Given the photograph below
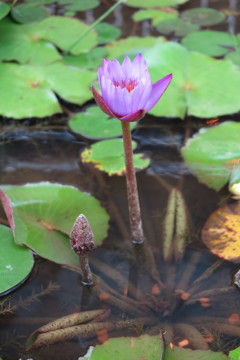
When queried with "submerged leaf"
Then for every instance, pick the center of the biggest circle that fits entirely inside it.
(68, 326)
(213, 154)
(175, 227)
(44, 214)
(221, 232)
(16, 261)
(108, 156)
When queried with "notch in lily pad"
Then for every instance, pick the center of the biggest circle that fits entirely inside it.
(108, 156)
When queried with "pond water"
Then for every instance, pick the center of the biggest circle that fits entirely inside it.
(46, 150)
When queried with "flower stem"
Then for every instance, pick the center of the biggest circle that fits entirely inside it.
(87, 278)
(132, 191)
(92, 26)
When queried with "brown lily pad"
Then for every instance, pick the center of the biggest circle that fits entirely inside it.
(221, 232)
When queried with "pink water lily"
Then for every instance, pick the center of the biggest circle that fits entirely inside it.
(127, 90)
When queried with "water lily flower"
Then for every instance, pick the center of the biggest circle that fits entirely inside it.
(127, 90)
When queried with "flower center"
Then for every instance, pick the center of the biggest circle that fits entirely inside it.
(130, 85)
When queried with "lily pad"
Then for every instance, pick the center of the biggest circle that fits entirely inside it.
(213, 43)
(108, 156)
(4, 9)
(131, 46)
(234, 57)
(154, 3)
(179, 27)
(17, 43)
(201, 85)
(235, 354)
(203, 16)
(91, 60)
(64, 32)
(125, 348)
(221, 232)
(16, 261)
(213, 153)
(156, 15)
(28, 13)
(178, 353)
(44, 214)
(80, 5)
(107, 32)
(33, 88)
(95, 124)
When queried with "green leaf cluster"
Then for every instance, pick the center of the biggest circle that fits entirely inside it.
(44, 214)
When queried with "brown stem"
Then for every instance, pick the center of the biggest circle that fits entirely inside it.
(87, 278)
(133, 199)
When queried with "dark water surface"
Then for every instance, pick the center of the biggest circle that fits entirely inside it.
(34, 151)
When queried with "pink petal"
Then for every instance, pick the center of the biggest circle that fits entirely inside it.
(101, 103)
(139, 66)
(137, 115)
(157, 91)
(127, 68)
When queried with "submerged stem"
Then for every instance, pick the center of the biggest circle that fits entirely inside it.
(133, 199)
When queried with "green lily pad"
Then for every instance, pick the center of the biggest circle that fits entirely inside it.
(44, 214)
(95, 124)
(4, 9)
(235, 354)
(64, 32)
(125, 348)
(16, 261)
(17, 43)
(234, 57)
(131, 46)
(156, 15)
(28, 13)
(91, 60)
(213, 43)
(108, 156)
(80, 5)
(107, 32)
(154, 3)
(203, 16)
(33, 88)
(213, 153)
(201, 86)
(178, 353)
(179, 27)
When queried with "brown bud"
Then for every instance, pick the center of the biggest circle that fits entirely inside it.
(81, 236)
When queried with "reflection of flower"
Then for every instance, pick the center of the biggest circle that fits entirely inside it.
(127, 89)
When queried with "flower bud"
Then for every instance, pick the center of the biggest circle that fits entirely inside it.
(81, 236)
